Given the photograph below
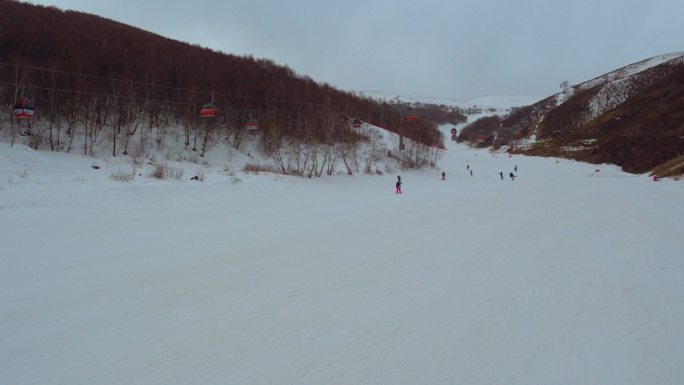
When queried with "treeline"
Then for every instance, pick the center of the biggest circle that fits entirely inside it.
(91, 77)
(494, 131)
(481, 132)
(439, 113)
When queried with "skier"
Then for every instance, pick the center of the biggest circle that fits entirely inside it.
(443, 175)
(515, 168)
(467, 167)
(501, 175)
(471, 172)
(398, 185)
(512, 176)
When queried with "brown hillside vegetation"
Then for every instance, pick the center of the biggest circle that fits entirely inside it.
(87, 71)
(644, 131)
(567, 117)
(639, 134)
(672, 168)
(480, 132)
(525, 120)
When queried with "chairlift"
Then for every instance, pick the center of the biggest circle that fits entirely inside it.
(454, 131)
(24, 108)
(482, 138)
(357, 123)
(251, 125)
(208, 110)
(454, 137)
(410, 118)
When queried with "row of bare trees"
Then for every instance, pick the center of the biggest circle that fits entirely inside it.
(70, 105)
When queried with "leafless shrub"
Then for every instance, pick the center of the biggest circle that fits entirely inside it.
(228, 171)
(163, 171)
(137, 154)
(256, 168)
(122, 176)
(160, 171)
(175, 173)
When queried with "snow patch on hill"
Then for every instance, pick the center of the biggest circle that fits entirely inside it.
(610, 96)
(499, 103)
(675, 58)
(496, 102)
(621, 84)
(616, 86)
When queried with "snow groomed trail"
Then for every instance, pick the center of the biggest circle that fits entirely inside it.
(563, 276)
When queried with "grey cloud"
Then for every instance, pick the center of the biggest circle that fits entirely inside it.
(447, 49)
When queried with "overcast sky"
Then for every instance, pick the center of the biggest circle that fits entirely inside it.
(444, 49)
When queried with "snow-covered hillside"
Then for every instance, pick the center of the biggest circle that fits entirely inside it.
(498, 103)
(617, 86)
(634, 68)
(566, 275)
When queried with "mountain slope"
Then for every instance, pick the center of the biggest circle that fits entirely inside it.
(88, 75)
(631, 117)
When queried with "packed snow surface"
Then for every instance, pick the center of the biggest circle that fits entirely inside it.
(565, 275)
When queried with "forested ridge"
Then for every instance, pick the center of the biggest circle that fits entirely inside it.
(631, 119)
(88, 75)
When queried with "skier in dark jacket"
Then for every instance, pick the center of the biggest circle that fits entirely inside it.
(511, 175)
(501, 175)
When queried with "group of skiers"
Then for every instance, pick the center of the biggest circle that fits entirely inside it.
(501, 175)
(510, 174)
(470, 171)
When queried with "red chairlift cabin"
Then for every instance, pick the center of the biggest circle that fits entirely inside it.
(482, 138)
(357, 123)
(24, 108)
(454, 137)
(252, 125)
(410, 118)
(454, 131)
(209, 110)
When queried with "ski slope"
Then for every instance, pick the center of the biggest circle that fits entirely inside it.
(564, 276)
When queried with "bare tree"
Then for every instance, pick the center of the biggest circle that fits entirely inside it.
(19, 79)
(135, 114)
